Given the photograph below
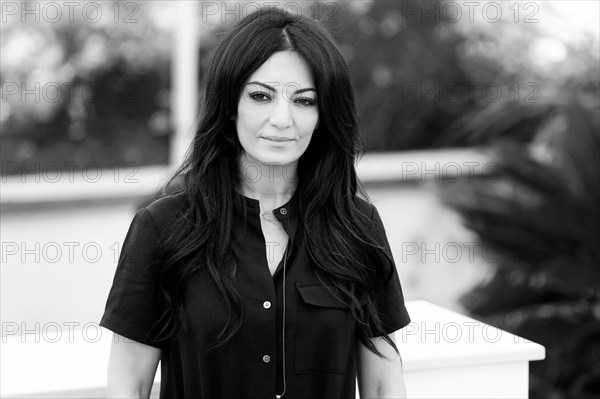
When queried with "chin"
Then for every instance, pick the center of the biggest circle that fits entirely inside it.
(275, 160)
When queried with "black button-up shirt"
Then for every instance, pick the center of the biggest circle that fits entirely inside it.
(320, 332)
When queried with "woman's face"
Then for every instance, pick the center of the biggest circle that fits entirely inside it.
(277, 111)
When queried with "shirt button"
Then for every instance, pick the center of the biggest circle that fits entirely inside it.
(266, 358)
(283, 211)
(266, 304)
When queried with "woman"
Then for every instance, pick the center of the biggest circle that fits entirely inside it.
(259, 272)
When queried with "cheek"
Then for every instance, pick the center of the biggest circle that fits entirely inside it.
(308, 123)
(247, 121)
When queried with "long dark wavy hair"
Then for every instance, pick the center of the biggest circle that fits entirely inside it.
(339, 236)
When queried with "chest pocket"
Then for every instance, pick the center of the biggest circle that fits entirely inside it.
(325, 331)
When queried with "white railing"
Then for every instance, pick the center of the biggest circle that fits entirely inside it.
(445, 355)
(449, 355)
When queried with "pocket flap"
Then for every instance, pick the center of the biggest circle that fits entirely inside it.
(319, 295)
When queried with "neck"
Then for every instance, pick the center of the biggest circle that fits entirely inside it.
(272, 185)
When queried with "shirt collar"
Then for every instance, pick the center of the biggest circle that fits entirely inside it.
(287, 213)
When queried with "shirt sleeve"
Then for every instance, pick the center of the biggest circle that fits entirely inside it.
(132, 306)
(390, 299)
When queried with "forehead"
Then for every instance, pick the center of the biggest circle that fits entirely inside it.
(284, 67)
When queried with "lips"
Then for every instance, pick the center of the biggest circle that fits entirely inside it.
(277, 139)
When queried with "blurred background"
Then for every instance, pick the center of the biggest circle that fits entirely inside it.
(481, 122)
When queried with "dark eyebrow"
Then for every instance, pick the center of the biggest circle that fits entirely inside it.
(273, 89)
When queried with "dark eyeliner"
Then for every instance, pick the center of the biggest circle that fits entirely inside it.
(309, 101)
(253, 94)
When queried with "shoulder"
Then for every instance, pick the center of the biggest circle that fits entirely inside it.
(370, 212)
(149, 225)
(167, 204)
(375, 224)
(365, 207)
(378, 232)
(166, 208)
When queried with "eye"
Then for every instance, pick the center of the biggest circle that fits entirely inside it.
(305, 101)
(259, 96)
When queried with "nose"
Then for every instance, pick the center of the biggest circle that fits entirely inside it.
(281, 114)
